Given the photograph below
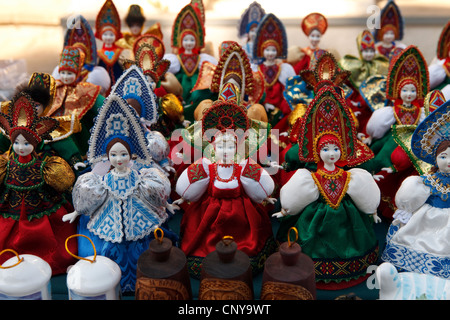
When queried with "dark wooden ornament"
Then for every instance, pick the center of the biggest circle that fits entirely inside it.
(162, 272)
(226, 273)
(289, 274)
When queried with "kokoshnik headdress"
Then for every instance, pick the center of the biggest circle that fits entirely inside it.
(80, 35)
(108, 19)
(364, 41)
(270, 32)
(390, 19)
(328, 115)
(116, 119)
(433, 130)
(22, 115)
(250, 18)
(188, 21)
(314, 21)
(444, 42)
(132, 84)
(408, 67)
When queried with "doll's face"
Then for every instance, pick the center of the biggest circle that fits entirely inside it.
(252, 34)
(408, 93)
(119, 157)
(368, 54)
(39, 109)
(389, 36)
(270, 53)
(188, 42)
(330, 154)
(314, 38)
(22, 147)
(67, 77)
(443, 161)
(108, 37)
(225, 148)
(135, 29)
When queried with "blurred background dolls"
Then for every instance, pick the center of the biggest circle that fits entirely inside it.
(271, 46)
(121, 209)
(188, 39)
(390, 32)
(32, 193)
(226, 189)
(439, 68)
(332, 208)
(407, 85)
(417, 239)
(108, 30)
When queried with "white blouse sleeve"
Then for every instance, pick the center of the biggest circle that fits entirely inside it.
(174, 63)
(287, 71)
(412, 194)
(257, 183)
(157, 145)
(437, 73)
(363, 190)
(194, 181)
(206, 57)
(298, 192)
(380, 122)
(88, 193)
(154, 187)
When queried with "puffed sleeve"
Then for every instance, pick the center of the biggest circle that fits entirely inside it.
(287, 71)
(154, 187)
(298, 192)
(174, 63)
(257, 183)
(88, 193)
(157, 146)
(380, 122)
(206, 57)
(58, 174)
(437, 73)
(363, 190)
(412, 194)
(193, 182)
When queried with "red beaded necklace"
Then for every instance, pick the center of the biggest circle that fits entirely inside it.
(233, 174)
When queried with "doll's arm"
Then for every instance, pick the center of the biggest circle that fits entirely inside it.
(88, 193)
(154, 187)
(174, 63)
(363, 190)
(257, 183)
(287, 71)
(58, 174)
(380, 122)
(297, 193)
(193, 182)
(411, 195)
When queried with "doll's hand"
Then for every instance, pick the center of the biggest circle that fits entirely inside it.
(269, 107)
(402, 216)
(387, 169)
(70, 217)
(284, 134)
(274, 164)
(79, 165)
(172, 207)
(357, 113)
(186, 123)
(376, 218)
(280, 214)
(377, 177)
(178, 202)
(169, 169)
(367, 140)
(356, 104)
(270, 200)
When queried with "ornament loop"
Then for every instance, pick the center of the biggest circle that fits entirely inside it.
(159, 238)
(78, 257)
(289, 238)
(19, 259)
(227, 240)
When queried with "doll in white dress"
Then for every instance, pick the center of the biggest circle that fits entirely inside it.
(121, 209)
(418, 238)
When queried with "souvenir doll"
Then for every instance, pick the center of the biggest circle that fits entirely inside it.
(439, 68)
(134, 88)
(81, 35)
(33, 188)
(135, 20)
(406, 86)
(333, 209)
(119, 210)
(389, 34)
(107, 27)
(368, 64)
(271, 46)
(188, 38)
(41, 88)
(417, 238)
(314, 26)
(247, 27)
(225, 188)
(73, 97)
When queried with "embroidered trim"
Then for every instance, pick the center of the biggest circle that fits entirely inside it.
(436, 184)
(413, 111)
(252, 171)
(334, 177)
(196, 172)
